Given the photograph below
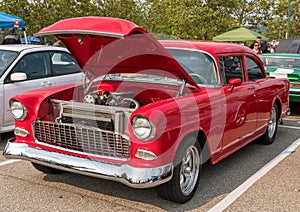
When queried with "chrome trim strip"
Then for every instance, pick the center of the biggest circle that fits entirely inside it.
(131, 176)
(294, 91)
(61, 32)
(119, 122)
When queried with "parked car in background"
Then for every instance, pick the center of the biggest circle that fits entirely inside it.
(284, 65)
(159, 111)
(290, 45)
(29, 67)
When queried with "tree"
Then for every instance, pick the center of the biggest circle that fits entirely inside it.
(278, 22)
(184, 19)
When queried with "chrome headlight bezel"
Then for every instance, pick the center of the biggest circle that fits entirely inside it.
(18, 110)
(143, 128)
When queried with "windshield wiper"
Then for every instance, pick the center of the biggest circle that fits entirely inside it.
(181, 90)
(87, 83)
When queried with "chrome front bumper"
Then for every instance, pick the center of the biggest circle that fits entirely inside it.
(131, 176)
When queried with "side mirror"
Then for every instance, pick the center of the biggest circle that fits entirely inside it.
(15, 77)
(234, 82)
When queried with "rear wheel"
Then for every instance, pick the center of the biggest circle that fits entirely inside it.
(269, 136)
(184, 183)
(46, 169)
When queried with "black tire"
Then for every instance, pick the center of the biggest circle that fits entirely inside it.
(46, 169)
(187, 169)
(269, 136)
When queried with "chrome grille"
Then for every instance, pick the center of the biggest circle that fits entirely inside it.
(82, 139)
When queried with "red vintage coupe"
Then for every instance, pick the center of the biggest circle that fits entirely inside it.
(149, 113)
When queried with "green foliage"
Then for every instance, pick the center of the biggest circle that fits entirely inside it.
(277, 27)
(183, 19)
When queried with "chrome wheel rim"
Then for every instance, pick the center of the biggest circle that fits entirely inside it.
(189, 171)
(272, 123)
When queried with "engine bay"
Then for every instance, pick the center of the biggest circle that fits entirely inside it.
(107, 105)
(106, 98)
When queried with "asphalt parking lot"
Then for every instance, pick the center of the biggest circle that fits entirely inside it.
(234, 180)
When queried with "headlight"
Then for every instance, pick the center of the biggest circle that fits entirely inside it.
(18, 110)
(143, 128)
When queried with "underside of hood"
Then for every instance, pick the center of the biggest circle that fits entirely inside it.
(104, 45)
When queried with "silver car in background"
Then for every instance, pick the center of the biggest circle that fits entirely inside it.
(30, 67)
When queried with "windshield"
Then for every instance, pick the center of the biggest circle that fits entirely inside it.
(199, 65)
(6, 58)
(282, 62)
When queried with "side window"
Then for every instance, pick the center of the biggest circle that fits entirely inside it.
(63, 63)
(253, 69)
(231, 67)
(34, 65)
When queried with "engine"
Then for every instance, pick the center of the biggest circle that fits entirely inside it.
(117, 99)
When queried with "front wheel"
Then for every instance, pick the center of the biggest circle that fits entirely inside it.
(184, 182)
(269, 136)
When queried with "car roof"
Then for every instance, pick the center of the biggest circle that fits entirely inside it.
(22, 47)
(290, 45)
(213, 47)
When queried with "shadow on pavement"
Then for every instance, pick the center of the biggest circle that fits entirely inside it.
(295, 108)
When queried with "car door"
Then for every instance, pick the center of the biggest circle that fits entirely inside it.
(36, 66)
(240, 103)
(262, 85)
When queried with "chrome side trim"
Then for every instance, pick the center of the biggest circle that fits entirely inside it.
(131, 176)
(294, 91)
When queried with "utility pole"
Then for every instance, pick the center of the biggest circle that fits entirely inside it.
(289, 19)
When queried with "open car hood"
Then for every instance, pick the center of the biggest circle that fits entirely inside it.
(104, 45)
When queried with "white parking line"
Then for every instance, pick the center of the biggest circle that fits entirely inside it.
(8, 162)
(230, 198)
(290, 127)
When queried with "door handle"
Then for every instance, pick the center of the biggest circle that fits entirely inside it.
(251, 88)
(46, 84)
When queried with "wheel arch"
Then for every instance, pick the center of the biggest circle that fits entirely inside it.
(279, 106)
(202, 140)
